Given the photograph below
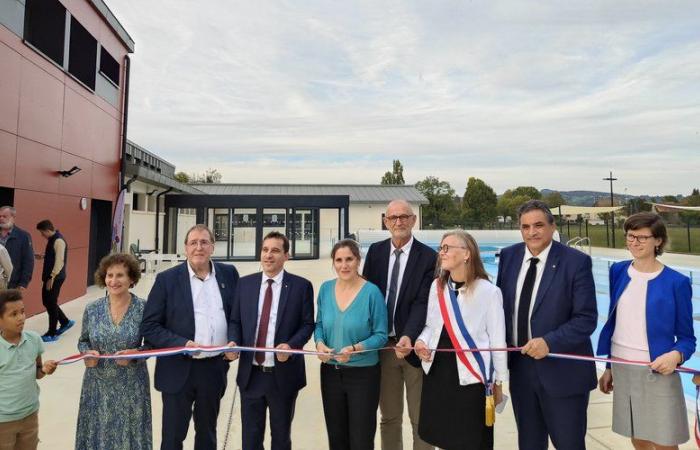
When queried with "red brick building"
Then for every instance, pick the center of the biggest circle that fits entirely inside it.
(63, 85)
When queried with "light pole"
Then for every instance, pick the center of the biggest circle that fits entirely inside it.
(612, 201)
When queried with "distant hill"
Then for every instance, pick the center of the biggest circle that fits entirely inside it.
(588, 198)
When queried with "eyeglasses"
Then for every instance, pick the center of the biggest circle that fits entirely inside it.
(637, 237)
(200, 243)
(446, 248)
(402, 218)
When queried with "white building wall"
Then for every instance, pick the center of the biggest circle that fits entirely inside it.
(368, 216)
(140, 217)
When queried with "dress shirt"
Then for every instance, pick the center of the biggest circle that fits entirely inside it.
(210, 326)
(521, 280)
(406, 249)
(276, 291)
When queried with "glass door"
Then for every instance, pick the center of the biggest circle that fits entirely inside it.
(305, 235)
(244, 229)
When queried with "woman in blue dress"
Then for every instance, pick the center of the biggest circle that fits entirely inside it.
(115, 402)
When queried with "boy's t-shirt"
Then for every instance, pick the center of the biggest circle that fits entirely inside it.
(19, 391)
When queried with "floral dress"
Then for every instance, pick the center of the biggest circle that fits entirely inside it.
(115, 402)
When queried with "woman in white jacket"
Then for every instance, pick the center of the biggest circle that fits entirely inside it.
(465, 310)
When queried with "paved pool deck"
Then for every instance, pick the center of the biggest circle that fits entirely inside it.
(60, 393)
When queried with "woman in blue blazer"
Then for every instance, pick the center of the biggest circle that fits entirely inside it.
(650, 320)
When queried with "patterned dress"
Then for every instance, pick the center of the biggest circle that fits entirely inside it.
(115, 402)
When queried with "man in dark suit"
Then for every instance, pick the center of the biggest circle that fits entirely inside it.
(19, 245)
(272, 308)
(403, 269)
(550, 306)
(190, 305)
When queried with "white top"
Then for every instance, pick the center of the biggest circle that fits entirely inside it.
(272, 324)
(210, 326)
(482, 310)
(406, 249)
(629, 340)
(521, 280)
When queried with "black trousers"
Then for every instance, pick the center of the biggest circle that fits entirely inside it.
(350, 400)
(260, 395)
(204, 388)
(540, 416)
(50, 300)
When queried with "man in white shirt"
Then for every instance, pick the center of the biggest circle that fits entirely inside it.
(550, 306)
(190, 305)
(271, 309)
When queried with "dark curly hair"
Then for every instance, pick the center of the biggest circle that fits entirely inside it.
(128, 261)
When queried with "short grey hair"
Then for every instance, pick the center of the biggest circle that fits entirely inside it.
(12, 209)
(200, 227)
(536, 205)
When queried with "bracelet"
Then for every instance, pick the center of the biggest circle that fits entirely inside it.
(353, 347)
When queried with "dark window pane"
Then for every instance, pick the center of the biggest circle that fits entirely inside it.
(109, 66)
(82, 57)
(44, 27)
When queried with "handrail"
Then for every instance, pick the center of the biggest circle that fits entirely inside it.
(578, 242)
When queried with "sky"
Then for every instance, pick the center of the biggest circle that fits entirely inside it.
(550, 94)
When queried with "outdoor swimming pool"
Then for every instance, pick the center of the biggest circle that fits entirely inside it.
(600, 275)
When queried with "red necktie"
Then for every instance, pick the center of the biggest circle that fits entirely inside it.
(264, 321)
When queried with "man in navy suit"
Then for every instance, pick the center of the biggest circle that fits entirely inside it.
(190, 305)
(550, 306)
(272, 308)
(403, 268)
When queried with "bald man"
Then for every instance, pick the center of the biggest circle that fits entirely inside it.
(403, 269)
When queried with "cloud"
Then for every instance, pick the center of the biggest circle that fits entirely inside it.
(548, 94)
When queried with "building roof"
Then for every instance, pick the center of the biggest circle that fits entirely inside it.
(113, 22)
(359, 193)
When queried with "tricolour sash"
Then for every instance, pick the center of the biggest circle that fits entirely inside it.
(484, 377)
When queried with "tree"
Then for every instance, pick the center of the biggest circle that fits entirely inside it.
(441, 210)
(395, 176)
(635, 205)
(479, 202)
(527, 191)
(553, 199)
(182, 177)
(508, 205)
(210, 176)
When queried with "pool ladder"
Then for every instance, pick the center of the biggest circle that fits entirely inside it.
(580, 243)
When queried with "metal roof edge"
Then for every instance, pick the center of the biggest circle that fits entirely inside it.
(112, 20)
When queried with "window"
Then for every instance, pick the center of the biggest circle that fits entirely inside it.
(109, 67)
(82, 58)
(45, 27)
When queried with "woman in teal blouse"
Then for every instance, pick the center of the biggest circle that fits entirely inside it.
(351, 317)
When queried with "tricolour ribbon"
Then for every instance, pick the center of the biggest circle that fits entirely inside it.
(171, 351)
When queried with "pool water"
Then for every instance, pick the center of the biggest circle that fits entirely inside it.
(600, 276)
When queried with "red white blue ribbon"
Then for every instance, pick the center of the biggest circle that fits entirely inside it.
(162, 352)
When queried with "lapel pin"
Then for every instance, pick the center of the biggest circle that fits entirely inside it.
(223, 286)
(554, 266)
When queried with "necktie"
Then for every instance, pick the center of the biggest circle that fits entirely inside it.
(264, 322)
(393, 289)
(525, 300)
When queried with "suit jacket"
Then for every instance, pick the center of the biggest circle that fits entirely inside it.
(565, 314)
(412, 301)
(168, 319)
(19, 246)
(295, 324)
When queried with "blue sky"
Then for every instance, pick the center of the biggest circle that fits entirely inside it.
(548, 93)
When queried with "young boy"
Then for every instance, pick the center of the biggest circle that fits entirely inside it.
(20, 367)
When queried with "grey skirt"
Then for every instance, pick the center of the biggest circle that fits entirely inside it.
(649, 406)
